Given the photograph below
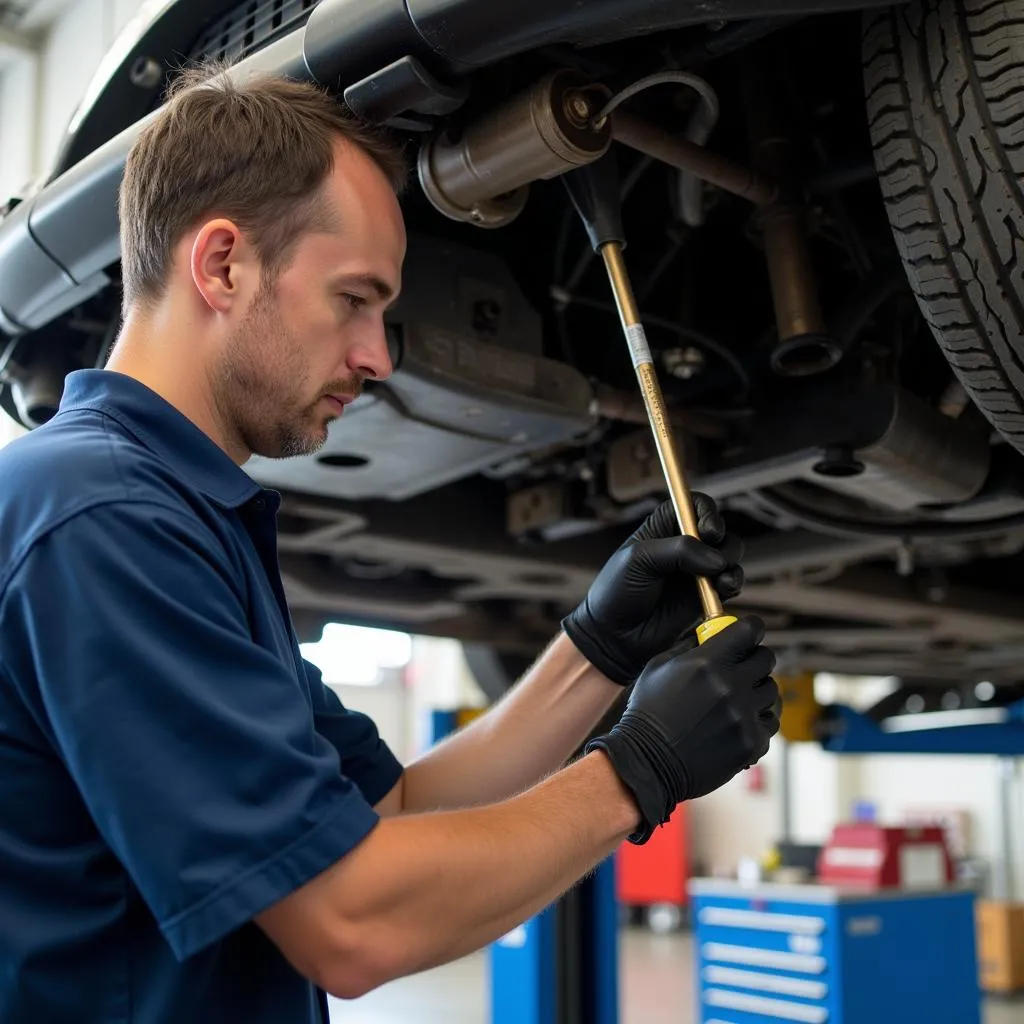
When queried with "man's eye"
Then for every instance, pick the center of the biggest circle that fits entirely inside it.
(355, 301)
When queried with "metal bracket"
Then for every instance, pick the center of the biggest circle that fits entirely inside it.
(404, 95)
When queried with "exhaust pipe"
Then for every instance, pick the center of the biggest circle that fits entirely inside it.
(482, 175)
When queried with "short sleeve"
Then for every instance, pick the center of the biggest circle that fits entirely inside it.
(365, 758)
(193, 747)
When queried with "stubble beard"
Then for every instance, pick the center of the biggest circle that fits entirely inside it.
(259, 387)
(261, 384)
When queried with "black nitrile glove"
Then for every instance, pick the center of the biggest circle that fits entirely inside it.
(645, 597)
(696, 717)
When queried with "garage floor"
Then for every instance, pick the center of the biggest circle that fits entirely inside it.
(656, 989)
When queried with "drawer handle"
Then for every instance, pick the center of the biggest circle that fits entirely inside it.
(799, 963)
(777, 984)
(761, 920)
(780, 1009)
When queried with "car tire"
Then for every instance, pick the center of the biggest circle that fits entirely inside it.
(945, 102)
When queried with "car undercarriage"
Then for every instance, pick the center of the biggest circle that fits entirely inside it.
(476, 492)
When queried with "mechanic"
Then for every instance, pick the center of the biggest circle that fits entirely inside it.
(192, 827)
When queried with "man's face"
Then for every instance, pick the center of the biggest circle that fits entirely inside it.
(309, 340)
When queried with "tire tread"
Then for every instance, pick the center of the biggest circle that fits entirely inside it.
(945, 100)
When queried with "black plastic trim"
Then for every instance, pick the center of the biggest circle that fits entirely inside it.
(395, 95)
(347, 40)
(480, 32)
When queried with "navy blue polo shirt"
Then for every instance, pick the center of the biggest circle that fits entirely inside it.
(169, 764)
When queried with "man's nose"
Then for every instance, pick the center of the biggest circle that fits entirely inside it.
(370, 356)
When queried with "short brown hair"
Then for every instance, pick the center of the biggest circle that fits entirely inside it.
(256, 151)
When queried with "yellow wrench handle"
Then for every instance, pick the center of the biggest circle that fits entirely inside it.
(711, 627)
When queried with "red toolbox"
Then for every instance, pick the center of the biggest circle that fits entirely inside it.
(876, 856)
(658, 871)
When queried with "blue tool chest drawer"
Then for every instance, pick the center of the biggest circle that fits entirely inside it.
(825, 955)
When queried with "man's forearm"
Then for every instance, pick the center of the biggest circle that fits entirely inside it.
(530, 733)
(422, 890)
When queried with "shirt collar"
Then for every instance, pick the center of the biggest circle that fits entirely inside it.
(166, 432)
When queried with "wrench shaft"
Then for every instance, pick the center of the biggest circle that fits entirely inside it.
(654, 402)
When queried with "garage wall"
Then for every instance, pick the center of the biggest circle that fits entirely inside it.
(737, 821)
(36, 103)
(76, 43)
(75, 46)
(972, 783)
(388, 704)
(436, 677)
(734, 823)
(17, 119)
(825, 788)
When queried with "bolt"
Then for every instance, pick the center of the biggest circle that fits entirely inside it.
(684, 363)
(145, 73)
(577, 107)
(486, 316)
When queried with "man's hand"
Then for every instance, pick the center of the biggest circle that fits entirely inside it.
(645, 598)
(695, 718)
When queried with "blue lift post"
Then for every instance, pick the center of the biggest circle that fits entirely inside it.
(561, 966)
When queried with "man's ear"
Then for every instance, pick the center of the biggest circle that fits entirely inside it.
(221, 261)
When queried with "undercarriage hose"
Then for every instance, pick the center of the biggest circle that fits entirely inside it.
(702, 123)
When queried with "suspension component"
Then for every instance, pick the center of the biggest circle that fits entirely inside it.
(685, 155)
(804, 346)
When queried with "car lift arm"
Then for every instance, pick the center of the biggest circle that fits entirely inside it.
(988, 731)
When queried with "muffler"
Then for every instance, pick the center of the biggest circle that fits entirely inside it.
(482, 176)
